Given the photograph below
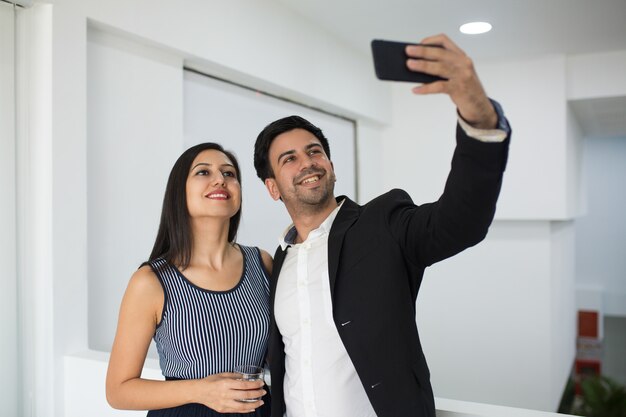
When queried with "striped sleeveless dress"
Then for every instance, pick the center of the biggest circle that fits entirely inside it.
(205, 332)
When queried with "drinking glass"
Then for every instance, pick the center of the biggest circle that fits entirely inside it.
(249, 373)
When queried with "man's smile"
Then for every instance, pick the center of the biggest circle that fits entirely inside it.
(311, 180)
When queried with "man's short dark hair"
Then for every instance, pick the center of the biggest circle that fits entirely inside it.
(269, 133)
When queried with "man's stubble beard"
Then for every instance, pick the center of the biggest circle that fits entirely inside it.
(314, 201)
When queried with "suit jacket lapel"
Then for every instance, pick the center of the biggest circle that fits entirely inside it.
(347, 215)
(279, 257)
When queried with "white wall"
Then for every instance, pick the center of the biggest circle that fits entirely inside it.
(369, 160)
(562, 308)
(494, 324)
(533, 93)
(596, 75)
(600, 260)
(134, 135)
(534, 98)
(484, 318)
(8, 237)
(600, 231)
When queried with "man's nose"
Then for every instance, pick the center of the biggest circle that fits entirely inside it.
(307, 162)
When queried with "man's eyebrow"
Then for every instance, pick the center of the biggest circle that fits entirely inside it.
(289, 152)
(313, 145)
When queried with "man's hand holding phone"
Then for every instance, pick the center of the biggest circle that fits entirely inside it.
(444, 68)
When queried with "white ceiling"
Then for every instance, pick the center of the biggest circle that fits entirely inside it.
(521, 29)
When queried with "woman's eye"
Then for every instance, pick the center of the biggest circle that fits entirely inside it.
(202, 172)
(229, 174)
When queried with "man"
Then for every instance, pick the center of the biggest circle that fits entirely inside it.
(344, 341)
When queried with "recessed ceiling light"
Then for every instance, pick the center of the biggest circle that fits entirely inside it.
(474, 28)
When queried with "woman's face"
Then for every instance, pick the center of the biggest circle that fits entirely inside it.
(213, 189)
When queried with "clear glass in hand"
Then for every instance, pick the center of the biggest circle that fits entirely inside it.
(250, 373)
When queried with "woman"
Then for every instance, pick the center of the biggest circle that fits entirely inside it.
(202, 297)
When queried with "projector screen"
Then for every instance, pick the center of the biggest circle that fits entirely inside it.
(217, 111)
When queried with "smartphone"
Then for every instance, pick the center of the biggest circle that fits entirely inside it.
(390, 62)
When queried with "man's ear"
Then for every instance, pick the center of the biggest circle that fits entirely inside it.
(270, 184)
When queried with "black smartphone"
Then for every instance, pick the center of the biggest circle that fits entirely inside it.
(390, 63)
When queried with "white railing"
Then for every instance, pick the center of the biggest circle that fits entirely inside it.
(455, 408)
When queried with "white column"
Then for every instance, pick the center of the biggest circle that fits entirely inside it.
(34, 208)
(8, 282)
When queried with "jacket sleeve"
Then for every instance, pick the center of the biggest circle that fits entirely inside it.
(460, 218)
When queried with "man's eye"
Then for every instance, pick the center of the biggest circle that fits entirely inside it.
(288, 159)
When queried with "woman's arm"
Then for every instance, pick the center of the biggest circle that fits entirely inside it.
(125, 389)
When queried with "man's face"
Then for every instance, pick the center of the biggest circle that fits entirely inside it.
(303, 175)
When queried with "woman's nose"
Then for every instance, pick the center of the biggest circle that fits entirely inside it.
(218, 179)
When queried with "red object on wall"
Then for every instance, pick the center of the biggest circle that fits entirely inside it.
(586, 367)
(588, 348)
(588, 324)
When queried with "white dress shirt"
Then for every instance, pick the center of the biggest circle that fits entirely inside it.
(320, 379)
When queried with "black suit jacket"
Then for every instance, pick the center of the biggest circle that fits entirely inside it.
(377, 254)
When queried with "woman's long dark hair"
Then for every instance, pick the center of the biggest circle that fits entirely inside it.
(174, 238)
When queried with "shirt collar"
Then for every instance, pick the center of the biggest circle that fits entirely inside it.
(288, 237)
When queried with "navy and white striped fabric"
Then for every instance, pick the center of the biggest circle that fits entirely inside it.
(206, 332)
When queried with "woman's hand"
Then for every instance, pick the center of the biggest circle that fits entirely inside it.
(224, 392)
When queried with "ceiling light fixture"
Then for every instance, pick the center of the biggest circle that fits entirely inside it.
(475, 28)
